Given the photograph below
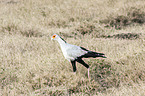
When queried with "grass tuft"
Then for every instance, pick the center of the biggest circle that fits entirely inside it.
(130, 36)
(133, 16)
(14, 29)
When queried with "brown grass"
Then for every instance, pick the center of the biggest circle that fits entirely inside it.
(31, 64)
(133, 16)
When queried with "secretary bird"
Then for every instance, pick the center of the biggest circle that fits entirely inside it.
(75, 53)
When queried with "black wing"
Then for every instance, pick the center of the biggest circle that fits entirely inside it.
(92, 54)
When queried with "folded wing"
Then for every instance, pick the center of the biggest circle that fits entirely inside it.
(80, 52)
(75, 51)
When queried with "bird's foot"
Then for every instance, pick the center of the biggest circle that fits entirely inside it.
(74, 73)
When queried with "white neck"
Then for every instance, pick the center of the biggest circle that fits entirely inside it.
(61, 42)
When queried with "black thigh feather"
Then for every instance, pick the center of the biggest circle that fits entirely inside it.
(74, 65)
(82, 62)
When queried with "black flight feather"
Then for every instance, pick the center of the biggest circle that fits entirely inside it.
(92, 54)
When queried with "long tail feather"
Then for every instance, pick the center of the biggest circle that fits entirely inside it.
(94, 55)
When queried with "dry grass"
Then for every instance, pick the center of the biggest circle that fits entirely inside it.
(31, 64)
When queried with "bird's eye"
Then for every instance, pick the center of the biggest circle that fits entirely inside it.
(53, 36)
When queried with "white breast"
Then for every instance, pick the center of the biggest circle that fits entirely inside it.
(65, 53)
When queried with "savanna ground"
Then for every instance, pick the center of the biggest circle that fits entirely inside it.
(33, 65)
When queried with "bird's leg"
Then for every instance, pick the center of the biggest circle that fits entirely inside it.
(88, 73)
(74, 66)
(83, 63)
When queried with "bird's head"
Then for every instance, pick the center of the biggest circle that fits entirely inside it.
(57, 37)
(54, 37)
